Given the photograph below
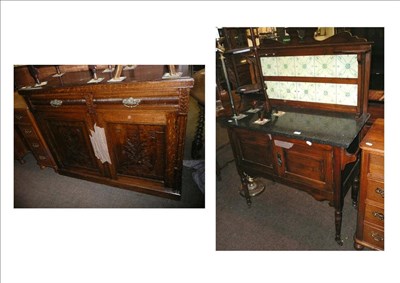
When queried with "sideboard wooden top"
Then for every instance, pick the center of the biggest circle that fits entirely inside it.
(142, 74)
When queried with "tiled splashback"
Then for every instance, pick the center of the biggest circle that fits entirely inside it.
(332, 66)
(345, 94)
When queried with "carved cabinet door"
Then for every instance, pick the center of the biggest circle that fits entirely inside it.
(68, 137)
(138, 144)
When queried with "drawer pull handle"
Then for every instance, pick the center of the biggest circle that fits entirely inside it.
(35, 145)
(378, 215)
(380, 191)
(19, 117)
(131, 102)
(41, 157)
(377, 237)
(56, 103)
(28, 132)
(279, 160)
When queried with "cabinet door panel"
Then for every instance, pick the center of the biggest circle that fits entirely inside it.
(308, 165)
(254, 149)
(137, 142)
(69, 141)
(138, 150)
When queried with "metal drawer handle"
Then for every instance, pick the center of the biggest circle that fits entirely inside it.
(131, 102)
(377, 237)
(26, 131)
(380, 191)
(41, 157)
(378, 215)
(19, 117)
(56, 103)
(35, 145)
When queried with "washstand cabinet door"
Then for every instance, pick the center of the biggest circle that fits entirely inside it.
(138, 143)
(305, 163)
(254, 150)
(67, 134)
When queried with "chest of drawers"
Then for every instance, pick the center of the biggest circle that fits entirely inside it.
(26, 132)
(370, 220)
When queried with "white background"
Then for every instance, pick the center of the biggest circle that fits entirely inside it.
(170, 245)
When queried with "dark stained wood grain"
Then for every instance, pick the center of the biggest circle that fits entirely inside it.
(144, 121)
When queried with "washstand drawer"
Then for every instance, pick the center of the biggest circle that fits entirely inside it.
(375, 190)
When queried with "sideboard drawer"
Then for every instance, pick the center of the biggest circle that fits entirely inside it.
(137, 102)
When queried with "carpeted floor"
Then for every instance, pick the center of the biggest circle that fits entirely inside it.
(281, 218)
(36, 188)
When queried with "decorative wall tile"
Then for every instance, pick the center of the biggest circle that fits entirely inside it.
(346, 94)
(286, 65)
(273, 89)
(306, 92)
(347, 66)
(324, 66)
(325, 93)
(341, 66)
(304, 66)
(289, 91)
(268, 66)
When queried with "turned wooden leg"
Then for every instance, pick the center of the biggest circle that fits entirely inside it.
(354, 191)
(338, 226)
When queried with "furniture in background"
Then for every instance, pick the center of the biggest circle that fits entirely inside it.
(125, 131)
(370, 219)
(376, 105)
(199, 94)
(27, 136)
(307, 131)
(20, 147)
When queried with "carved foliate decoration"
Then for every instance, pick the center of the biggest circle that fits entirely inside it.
(137, 154)
(70, 140)
(139, 150)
